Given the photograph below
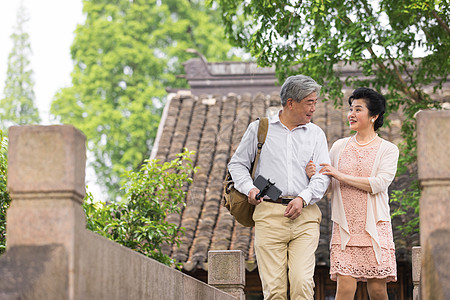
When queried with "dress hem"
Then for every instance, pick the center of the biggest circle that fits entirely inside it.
(389, 278)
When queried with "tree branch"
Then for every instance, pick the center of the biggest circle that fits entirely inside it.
(440, 21)
(404, 86)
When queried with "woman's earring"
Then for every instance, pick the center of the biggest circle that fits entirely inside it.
(372, 120)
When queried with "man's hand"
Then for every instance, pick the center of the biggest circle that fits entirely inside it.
(252, 197)
(294, 208)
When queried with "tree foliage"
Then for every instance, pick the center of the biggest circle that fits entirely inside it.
(125, 54)
(139, 222)
(5, 200)
(17, 107)
(381, 38)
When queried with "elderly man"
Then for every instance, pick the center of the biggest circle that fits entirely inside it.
(286, 229)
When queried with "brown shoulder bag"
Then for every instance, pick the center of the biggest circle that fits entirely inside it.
(236, 202)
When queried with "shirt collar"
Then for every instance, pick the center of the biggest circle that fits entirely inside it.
(276, 119)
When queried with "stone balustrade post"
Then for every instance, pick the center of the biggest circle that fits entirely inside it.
(46, 182)
(226, 271)
(433, 131)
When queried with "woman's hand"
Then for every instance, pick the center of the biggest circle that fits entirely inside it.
(329, 170)
(310, 169)
(358, 182)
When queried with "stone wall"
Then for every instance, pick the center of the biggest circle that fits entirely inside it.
(433, 131)
(50, 254)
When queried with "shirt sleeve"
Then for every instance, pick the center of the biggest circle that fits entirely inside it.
(386, 171)
(319, 183)
(241, 161)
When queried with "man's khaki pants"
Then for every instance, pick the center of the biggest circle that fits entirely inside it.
(286, 248)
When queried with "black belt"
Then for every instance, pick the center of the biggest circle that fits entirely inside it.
(281, 200)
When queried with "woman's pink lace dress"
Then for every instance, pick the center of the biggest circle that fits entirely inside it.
(358, 259)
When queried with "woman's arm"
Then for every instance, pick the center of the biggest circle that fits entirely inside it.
(358, 182)
(386, 169)
(385, 173)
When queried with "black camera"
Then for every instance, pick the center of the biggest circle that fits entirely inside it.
(266, 187)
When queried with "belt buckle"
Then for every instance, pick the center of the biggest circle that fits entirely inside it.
(285, 201)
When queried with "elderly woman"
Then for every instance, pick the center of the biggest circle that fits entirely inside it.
(362, 168)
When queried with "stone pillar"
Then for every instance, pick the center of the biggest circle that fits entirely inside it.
(226, 271)
(46, 181)
(416, 264)
(433, 144)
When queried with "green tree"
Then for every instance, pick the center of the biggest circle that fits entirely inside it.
(139, 222)
(5, 200)
(17, 107)
(125, 54)
(381, 38)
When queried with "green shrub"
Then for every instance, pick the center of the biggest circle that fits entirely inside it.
(4, 195)
(139, 221)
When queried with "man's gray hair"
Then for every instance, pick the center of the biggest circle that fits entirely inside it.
(298, 87)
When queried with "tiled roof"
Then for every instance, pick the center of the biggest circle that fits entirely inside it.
(213, 127)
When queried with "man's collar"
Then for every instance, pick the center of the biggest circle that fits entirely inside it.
(276, 119)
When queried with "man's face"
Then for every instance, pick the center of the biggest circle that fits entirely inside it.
(304, 109)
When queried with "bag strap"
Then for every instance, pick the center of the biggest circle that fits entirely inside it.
(262, 133)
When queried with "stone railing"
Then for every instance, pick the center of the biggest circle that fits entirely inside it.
(431, 262)
(416, 265)
(51, 255)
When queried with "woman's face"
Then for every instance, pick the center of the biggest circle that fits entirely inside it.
(358, 116)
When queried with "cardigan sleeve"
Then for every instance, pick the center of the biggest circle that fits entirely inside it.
(386, 170)
(337, 207)
(336, 149)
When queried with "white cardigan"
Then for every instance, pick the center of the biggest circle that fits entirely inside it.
(383, 173)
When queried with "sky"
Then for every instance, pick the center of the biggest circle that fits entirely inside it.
(51, 28)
